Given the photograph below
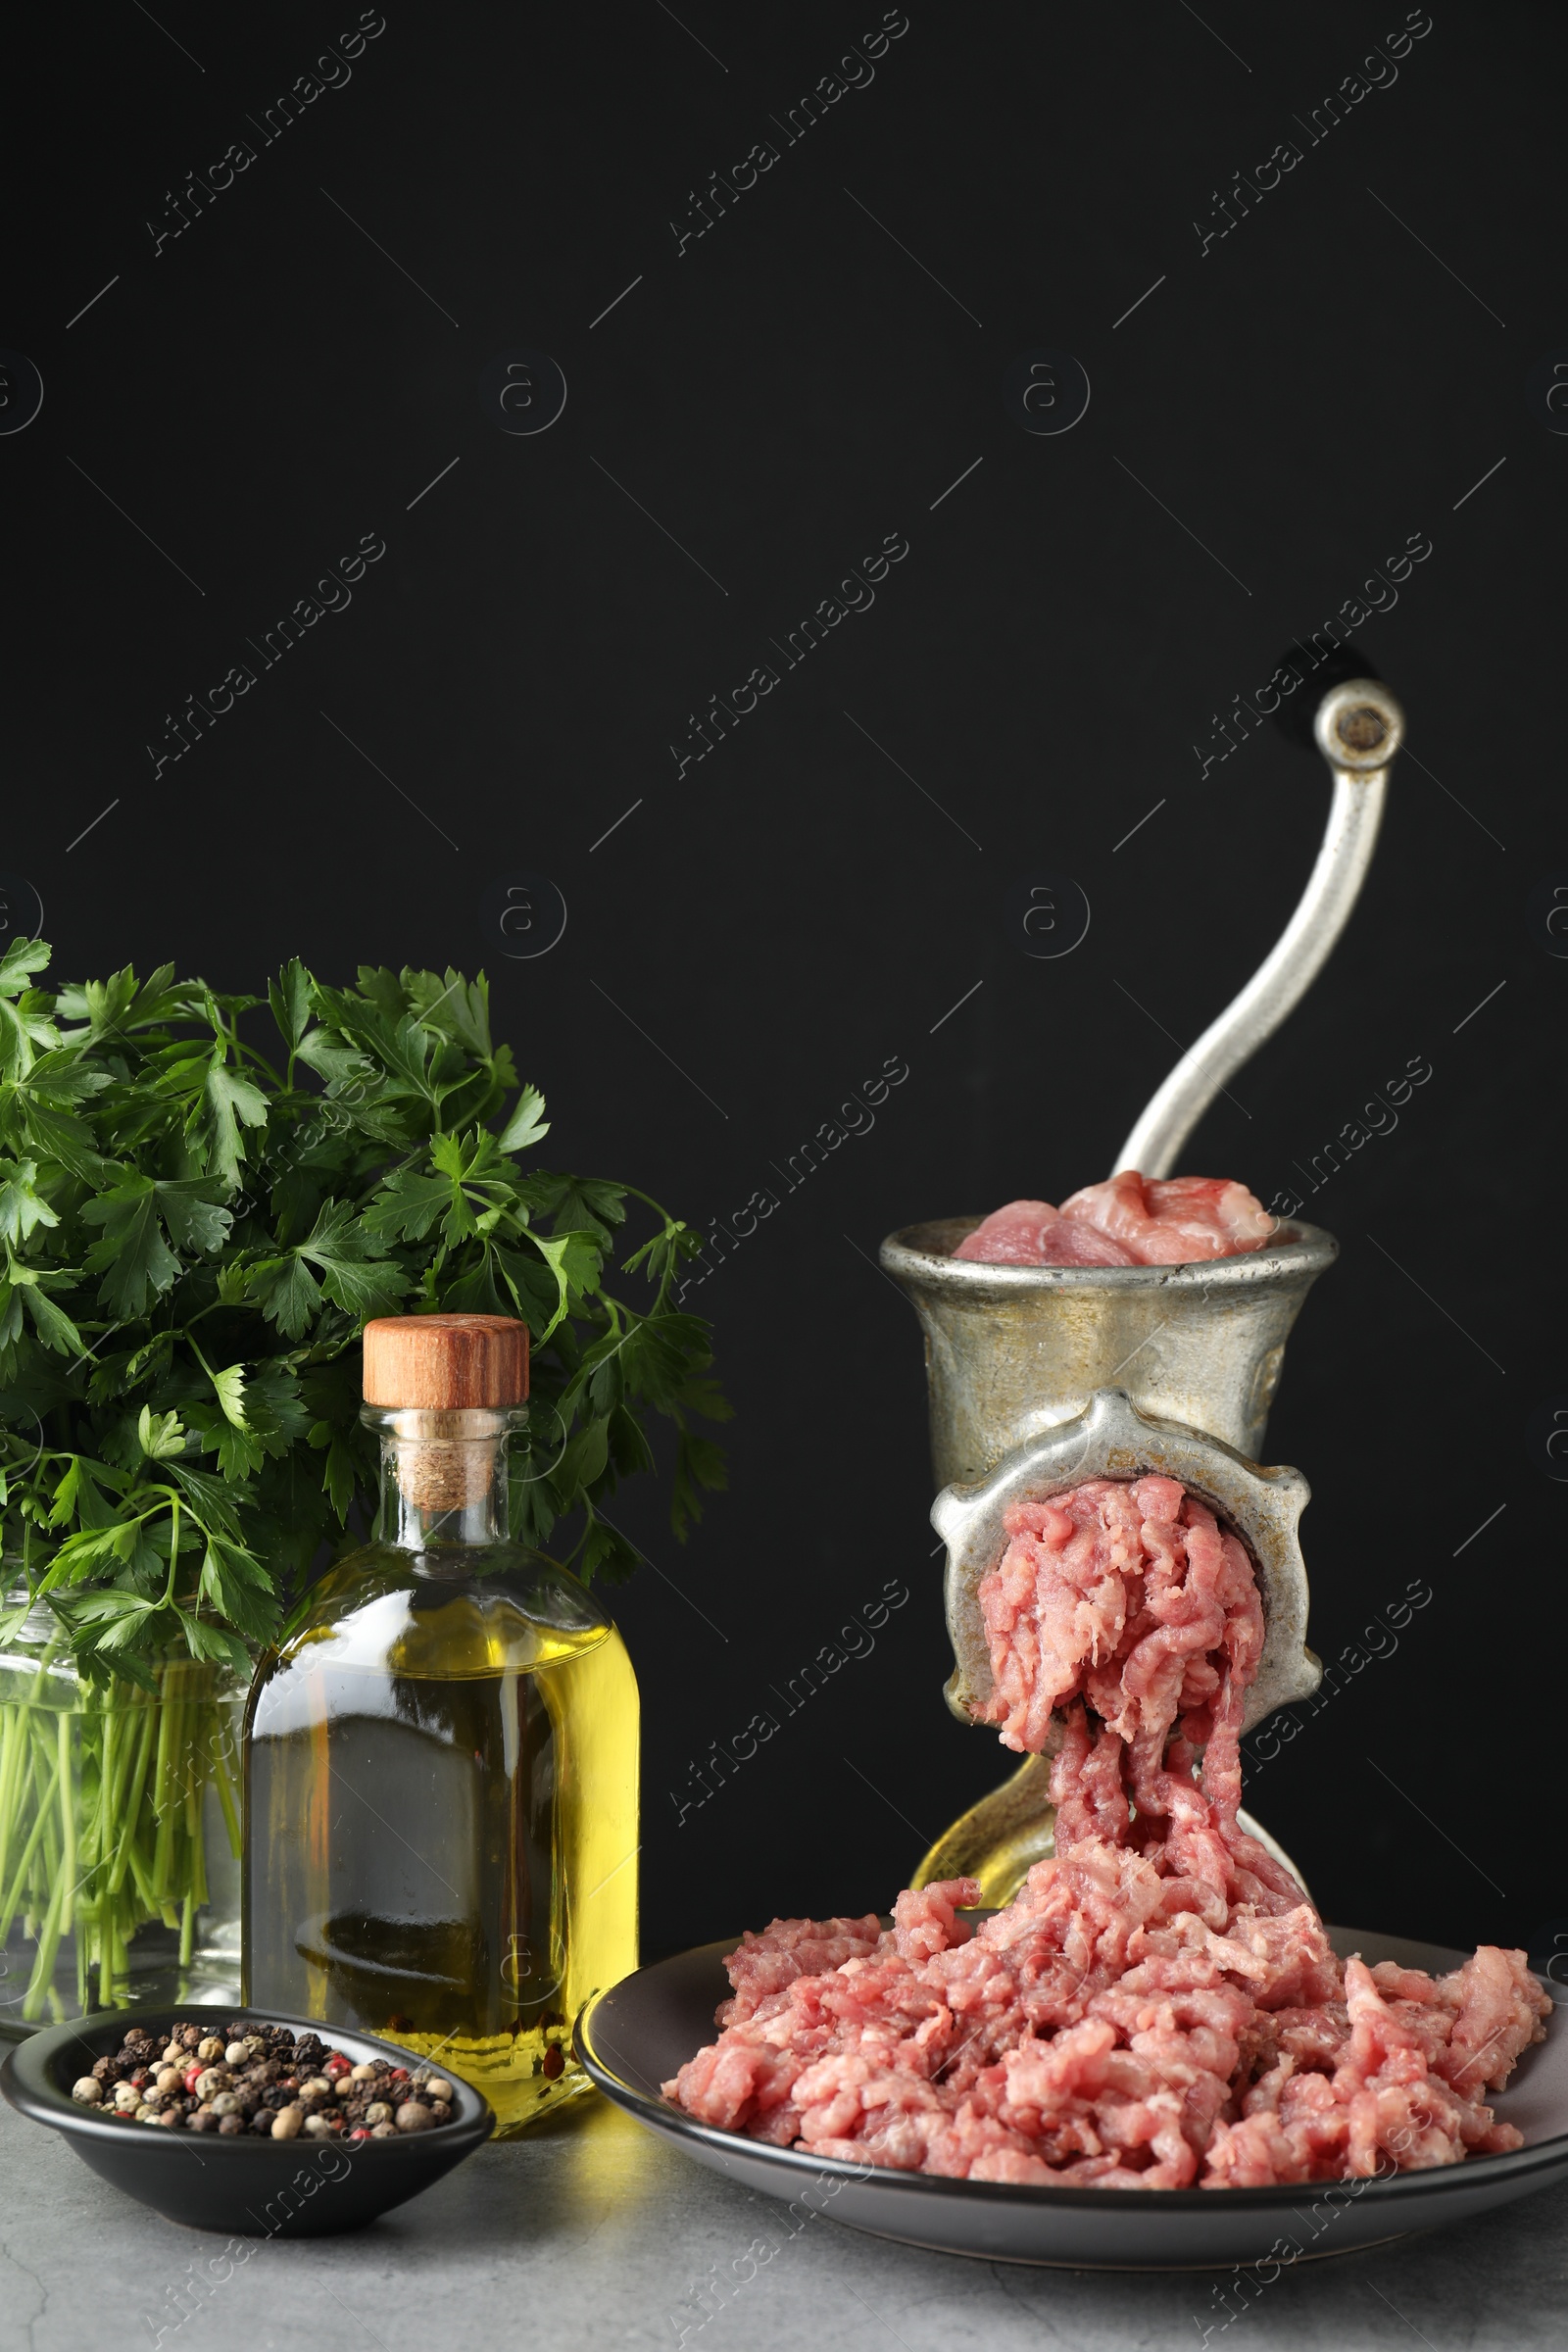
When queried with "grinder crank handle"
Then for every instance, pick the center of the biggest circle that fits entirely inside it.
(1359, 727)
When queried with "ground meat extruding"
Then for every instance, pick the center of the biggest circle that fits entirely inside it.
(1160, 2006)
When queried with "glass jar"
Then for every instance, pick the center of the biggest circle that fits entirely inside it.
(441, 1760)
(120, 1833)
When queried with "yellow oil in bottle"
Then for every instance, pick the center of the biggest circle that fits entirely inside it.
(441, 1814)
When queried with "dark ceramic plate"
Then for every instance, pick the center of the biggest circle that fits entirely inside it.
(639, 2034)
(248, 2188)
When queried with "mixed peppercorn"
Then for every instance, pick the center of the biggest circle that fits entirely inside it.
(264, 2080)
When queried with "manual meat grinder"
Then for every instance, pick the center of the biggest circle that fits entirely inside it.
(1043, 1376)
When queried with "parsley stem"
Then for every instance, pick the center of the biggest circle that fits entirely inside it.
(44, 1798)
(250, 1054)
(174, 1547)
(66, 1781)
(226, 1786)
(44, 1960)
(129, 1806)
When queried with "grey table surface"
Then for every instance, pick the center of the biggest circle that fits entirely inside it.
(593, 2233)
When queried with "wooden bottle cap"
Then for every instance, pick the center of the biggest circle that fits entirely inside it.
(446, 1363)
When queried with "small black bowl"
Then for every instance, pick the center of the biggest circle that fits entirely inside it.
(245, 2186)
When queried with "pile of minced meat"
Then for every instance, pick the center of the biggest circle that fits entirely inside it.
(1160, 2006)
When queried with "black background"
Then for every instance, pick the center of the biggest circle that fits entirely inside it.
(764, 930)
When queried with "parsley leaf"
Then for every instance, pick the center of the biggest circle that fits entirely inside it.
(23, 1207)
(527, 1122)
(21, 960)
(290, 996)
(134, 1257)
(134, 1260)
(356, 1273)
(231, 1102)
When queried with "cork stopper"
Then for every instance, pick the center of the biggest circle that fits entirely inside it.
(446, 1363)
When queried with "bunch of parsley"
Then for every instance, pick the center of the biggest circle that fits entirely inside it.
(195, 1232)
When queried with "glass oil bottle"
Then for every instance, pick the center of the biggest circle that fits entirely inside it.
(441, 1754)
